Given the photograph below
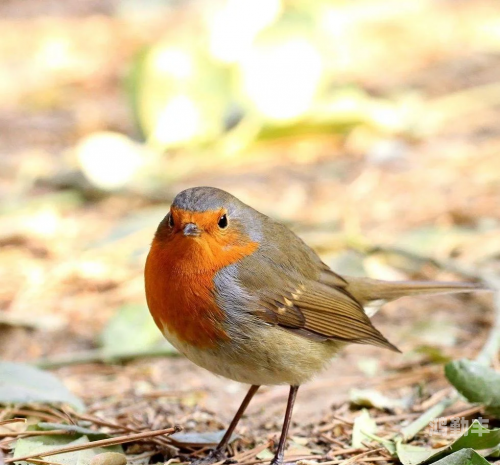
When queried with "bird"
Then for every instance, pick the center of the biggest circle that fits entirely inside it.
(242, 296)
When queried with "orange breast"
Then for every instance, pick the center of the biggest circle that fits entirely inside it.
(179, 280)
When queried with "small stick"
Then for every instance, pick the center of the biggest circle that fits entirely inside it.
(336, 441)
(34, 413)
(100, 422)
(394, 418)
(360, 457)
(363, 454)
(463, 413)
(343, 420)
(25, 434)
(337, 462)
(12, 420)
(352, 450)
(434, 399)
(250, 454)
(100, 443)
(42, 462)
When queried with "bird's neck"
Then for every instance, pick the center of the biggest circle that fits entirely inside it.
(190, 256)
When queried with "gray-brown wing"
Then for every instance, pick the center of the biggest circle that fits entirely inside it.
(320, 311)
(297, 291)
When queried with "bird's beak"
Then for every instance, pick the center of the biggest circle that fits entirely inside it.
(191, 229)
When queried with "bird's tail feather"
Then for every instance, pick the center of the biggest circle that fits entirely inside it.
(367, 290)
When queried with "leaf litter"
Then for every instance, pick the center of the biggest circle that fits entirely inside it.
(74, 257)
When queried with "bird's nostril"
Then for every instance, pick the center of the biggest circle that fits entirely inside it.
(190, 229)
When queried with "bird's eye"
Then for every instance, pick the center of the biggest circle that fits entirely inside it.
(223, 222)
(170, 220)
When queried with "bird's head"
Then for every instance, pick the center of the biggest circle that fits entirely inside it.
(208, 228)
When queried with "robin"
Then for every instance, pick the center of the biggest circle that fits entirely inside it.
(243, 297)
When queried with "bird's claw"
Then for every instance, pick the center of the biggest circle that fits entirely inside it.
(278, 459)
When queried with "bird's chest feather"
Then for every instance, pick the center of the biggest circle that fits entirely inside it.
(183, 305)
(180, 295)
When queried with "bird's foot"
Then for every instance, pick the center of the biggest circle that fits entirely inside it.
(215, 455)
(277, 459)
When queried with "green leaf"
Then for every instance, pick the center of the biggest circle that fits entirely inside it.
(463, 457)
(434, 354)
(409, 431)
(364, 425)
(39, 444)
(22, 383)
(389, 444)
(374, 398)
(179, 94)
(476, 437)
(266, 454)
(132, 329)
(412, 455)
(476, 382)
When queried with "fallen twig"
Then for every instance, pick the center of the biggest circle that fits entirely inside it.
(250, 454)
(12, 420)
(100, 443)
(463, 413)
(362, 454)
(336, 462)
(25, 434)
(42, 462)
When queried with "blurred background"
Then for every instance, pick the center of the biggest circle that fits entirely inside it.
(370, 127)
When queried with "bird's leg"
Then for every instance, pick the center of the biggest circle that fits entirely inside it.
(280, 453)
(218, 454)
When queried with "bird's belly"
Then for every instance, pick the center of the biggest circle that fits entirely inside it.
(269, 355)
